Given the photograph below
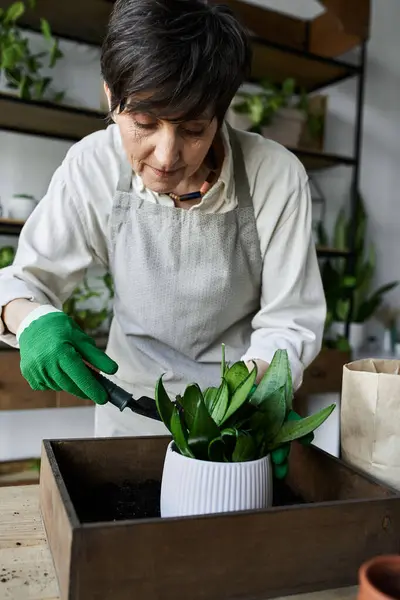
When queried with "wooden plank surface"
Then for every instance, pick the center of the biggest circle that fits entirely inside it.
(26, 567)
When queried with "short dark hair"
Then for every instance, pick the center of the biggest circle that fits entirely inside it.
(189, 55)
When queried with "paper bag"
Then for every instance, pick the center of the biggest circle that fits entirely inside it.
(370, 418)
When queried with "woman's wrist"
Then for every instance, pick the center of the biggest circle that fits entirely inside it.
(16, 311)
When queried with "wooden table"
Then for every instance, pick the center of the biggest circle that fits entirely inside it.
(26, 567)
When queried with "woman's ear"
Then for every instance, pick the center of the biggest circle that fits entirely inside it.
(108, 94)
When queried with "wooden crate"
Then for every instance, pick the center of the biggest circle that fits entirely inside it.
(345, 519)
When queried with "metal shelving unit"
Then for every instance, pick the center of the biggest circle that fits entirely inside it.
(85, 22)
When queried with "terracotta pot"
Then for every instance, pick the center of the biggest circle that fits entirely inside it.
(379, 579)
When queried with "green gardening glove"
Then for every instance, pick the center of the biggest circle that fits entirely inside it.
(280, 456)
(52, 351)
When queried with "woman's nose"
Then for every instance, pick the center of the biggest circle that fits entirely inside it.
(167, 149)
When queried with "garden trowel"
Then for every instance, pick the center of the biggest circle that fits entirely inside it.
(122, 399)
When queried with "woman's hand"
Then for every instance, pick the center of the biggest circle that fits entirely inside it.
(262, 367)
(53, 350)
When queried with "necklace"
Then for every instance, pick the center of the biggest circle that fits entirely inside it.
(193, 195)
(206, 185)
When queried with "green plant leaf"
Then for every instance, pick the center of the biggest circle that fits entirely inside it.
(220, 405)
(271, 415)
(164, 405)
(241, 394)
(179, 434)
(245, 448)
(189, 403)
(235, 376)
(210, 395)
(278, 375)
(14, 12)
(229, 436)
(340, 235)
(58, 97)
(293, 430)
(203, 431)
(55, 55)
(216, 450)
(46, 29)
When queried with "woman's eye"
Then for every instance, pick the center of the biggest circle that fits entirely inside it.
(197, 133)
(144, 125)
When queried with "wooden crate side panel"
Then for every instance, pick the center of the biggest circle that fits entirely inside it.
(57, 525)
(112, 459)
(319, 477)
(248, 556)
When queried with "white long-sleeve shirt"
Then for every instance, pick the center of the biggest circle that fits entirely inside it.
(67, 234)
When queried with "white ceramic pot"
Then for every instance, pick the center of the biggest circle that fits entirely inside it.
(286, 127)
(20, 208)
(195, 487)
(356, 333)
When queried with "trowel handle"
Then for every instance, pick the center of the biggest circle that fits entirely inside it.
(116, 395)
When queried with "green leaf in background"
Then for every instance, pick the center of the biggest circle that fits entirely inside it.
(7, 254)
(55, 55)
(179, 434)
(14, 12)
(164, 405)
(235, 375)
(203, 431)
(46, 29)
(293, 430)
(189, 403)
(220, 405)
(241, 394)
(245, 448)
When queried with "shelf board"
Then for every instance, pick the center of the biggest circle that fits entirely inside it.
(48, 119)
(324, 252)
(10, 226)
(311, 71)
(316, 161)
(86, 22)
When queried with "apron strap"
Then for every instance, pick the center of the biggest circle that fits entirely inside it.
(125, 176)
(242, 187)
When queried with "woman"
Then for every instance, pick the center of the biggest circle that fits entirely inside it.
(205, 230)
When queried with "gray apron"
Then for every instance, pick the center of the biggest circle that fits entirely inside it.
(185, 282)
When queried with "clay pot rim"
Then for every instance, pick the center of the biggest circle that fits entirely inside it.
(364, 580)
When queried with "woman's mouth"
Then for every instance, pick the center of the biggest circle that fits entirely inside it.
(163, 174)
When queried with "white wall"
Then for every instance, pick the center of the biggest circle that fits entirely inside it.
(26, 166)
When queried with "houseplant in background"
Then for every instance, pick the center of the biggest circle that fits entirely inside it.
(7, 254)
(278, 114)
(339, 285)
(20, 67)
(94, 319)
(223, 438)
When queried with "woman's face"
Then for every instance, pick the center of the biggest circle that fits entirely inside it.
(165, 153)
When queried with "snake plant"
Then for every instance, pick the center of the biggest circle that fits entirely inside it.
(236, 421)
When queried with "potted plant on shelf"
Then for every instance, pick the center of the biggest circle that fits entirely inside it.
(219, 457)
(339, 285)
(20, 67)
(273, 112)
